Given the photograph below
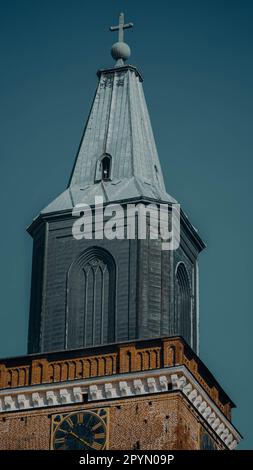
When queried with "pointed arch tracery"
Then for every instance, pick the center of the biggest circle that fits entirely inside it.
(183, 302)
(90, 316)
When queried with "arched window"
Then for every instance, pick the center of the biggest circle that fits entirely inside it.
(91, 300)
(183, 303)
(104, 168)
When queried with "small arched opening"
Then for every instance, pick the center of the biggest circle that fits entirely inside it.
(183, 303)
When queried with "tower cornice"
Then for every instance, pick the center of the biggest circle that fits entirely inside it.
(185, 222)
(122, 68)
(171, 351)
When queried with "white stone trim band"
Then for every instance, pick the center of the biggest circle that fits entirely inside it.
(119, 386)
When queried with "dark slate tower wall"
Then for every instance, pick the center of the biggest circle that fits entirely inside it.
(160, 308)
(51, 305)
(145, 300)
(186, 319)
(37, 285)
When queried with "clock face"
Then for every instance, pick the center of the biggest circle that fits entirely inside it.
(83, 430)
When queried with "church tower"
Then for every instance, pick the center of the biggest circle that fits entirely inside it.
(94, 292)
(113, 337)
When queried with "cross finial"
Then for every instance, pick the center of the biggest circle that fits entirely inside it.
(120, 50)
(120, 27)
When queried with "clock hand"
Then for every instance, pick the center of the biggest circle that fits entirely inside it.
(81, 440)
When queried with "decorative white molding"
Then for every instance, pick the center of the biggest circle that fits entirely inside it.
(23, 401)
(77, 394)
(224, 434)
(163, 382)
(94, 393)
(228, 439)
(202, 407)
(123, 385)
(124, 389)
(65, 395)
(187, 389)
(193, 395)
(110, 391)
(207, 412)
(151, 383)
(37, 400)
(9, 403)
(139, 387)
(52, 398)
(211, 418)
(233, 444)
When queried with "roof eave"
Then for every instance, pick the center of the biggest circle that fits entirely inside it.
(120, 68)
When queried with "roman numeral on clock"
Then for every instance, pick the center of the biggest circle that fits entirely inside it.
(96, 426)
(60, 440)
(96, 446)
(70, 422)
(62, 430)
(80, 418)
(99, 436)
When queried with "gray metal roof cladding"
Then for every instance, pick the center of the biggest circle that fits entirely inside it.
(118, 125)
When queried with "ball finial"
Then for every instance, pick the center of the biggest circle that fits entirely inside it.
(120, 50)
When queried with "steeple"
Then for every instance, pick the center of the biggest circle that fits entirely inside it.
(118, 128)
(96, 291)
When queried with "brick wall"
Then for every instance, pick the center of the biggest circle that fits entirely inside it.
(110, 360)
(159, 422)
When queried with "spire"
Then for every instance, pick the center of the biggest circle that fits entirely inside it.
(120, 50)
(117, 157)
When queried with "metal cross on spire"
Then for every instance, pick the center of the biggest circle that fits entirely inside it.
(120, 50)
(120, 27)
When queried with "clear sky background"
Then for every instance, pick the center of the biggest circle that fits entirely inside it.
(196, 58)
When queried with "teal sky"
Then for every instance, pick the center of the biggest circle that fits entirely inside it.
(196, 58)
